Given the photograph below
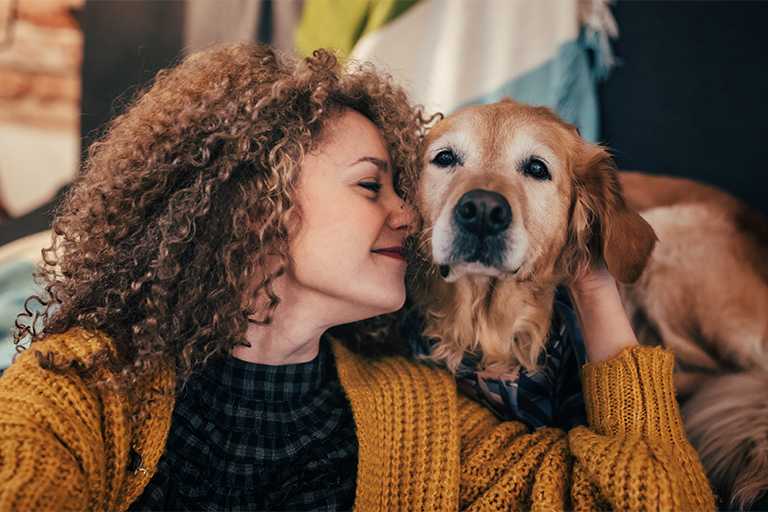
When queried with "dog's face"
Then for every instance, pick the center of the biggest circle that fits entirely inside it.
(514, 202)
(512, 191)
(495, 192)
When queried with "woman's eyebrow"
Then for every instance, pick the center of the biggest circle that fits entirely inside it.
(383, 165)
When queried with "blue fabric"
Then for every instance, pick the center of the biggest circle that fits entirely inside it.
(567, 84)
(551, 397)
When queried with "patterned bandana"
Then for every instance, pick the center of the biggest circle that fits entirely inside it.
(551, 397)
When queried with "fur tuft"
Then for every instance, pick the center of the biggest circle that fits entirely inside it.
(727, 423)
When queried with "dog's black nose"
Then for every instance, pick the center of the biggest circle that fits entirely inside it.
(483, 211)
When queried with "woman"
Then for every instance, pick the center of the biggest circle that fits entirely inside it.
(240, 208)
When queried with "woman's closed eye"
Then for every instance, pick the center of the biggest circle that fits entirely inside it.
(373, 186)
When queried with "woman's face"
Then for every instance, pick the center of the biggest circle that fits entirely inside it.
(347, 251)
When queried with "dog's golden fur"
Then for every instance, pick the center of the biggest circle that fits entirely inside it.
(704, 295)
(705, 292)
(558, 224)
(702, 292)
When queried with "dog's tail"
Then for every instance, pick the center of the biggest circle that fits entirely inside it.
(727, 423)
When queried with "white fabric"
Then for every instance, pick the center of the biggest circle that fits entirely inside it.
(449, 52)
(34, 165)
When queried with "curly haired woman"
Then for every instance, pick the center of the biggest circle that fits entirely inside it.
(240, 208)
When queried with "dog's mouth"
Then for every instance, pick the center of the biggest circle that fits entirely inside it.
(496, 257)
(487, 250)
(454, 270)
(477, 237)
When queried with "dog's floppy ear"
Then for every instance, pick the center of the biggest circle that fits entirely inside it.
(603, 223)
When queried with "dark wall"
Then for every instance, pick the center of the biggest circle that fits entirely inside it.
(126, 43)
(691, 95)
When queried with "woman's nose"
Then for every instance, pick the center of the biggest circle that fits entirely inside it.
(404, 216)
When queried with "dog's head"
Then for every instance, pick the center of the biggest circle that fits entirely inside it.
(512, 191)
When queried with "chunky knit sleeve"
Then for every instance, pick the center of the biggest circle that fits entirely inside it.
(49, 440)
(422, 446)
(66, 446)
(633, 456)
(636, 451)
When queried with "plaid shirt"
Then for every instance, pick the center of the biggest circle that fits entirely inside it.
(246, 436)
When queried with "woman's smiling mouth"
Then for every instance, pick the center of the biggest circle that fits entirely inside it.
(397, 253)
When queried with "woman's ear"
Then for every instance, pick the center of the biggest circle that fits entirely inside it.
(604, 222)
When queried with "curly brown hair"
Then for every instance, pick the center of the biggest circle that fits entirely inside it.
(185, 198)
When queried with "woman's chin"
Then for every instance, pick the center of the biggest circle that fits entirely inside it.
(397, 302)
(388, 306)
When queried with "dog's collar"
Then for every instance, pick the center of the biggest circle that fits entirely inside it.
(551, 397)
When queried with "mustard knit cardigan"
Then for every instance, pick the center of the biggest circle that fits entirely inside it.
(64, 446)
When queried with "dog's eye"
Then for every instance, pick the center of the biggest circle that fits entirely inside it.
(537, 169)
(445, 158)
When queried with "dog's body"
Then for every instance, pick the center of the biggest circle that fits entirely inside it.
(515, 203)
(704, 294)
(705, 291)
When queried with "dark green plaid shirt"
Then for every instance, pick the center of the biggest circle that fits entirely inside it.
(246, 436)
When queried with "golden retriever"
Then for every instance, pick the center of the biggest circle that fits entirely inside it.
(514, 203)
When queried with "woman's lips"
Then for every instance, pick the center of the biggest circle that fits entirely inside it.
(397, 253)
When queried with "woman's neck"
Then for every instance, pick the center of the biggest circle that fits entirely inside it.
(290, 338)
(280, 343)
(297, 323)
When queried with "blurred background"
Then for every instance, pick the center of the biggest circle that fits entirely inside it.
(673, 87)
(686, 94)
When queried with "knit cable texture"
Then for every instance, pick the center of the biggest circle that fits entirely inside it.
(65, 446)
(639, 457)
(635, 455)
(408, 439)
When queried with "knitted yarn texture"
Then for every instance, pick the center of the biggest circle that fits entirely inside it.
(66, 446)
(436, 450)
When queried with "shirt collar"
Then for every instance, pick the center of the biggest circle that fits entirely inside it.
(263, 382)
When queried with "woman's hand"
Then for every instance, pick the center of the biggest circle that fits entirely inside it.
(604, 324)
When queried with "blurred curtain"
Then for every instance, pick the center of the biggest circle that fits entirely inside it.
(452, 53)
